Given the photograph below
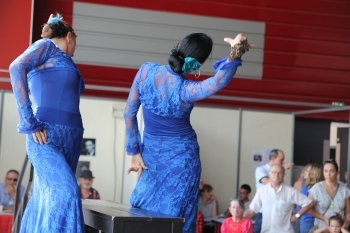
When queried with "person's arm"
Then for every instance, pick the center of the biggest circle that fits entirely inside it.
(133, 139)
(343, 230)
(316, 214)
(303, 210)
(261, 175)
(33, 57)
(265, 180)
(225, 68)
(215, 206)
(249, 213)
(194, 91)
(301, 200)
(297, 184)
(255, 205)
(347, 213)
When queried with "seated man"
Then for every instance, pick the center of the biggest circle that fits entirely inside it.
(87, 192)
(243, 194)
(208, 206)
(8, 190)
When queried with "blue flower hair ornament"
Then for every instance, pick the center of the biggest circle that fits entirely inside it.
(55, 19)
(191, 64)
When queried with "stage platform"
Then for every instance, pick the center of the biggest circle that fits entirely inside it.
(112, 217)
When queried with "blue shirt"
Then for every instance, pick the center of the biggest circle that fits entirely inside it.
(5, 197)
(260, 173)
(306, 217)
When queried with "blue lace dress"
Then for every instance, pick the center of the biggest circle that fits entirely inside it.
(55, 85)
(169, 149)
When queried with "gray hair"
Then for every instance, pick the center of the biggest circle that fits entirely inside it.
(274, 153)
(240, 202)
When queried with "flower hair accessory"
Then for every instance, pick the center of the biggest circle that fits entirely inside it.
(190, 65)
(55, 19)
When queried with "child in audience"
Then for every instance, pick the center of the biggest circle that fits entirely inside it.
(335, 225)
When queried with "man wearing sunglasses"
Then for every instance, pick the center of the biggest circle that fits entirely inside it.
(8, 190)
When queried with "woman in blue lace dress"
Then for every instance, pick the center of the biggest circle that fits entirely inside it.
(168, 157)
(53, 126)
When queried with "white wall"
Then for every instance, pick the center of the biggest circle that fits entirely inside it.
(12, 144)
(262, 130)
(217, 131)
(218, 135)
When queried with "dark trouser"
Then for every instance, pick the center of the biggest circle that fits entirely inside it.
(209, 229)
(258, 222)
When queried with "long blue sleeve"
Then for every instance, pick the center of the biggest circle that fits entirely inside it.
(168, 97)
(133, 139)
(194, 91)
(33, 57)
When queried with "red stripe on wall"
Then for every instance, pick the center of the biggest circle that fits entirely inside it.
(286, 12)
(311, 75)
(307, 60)
(314, 34)
(4, 74)
(15, 27)
(292, 45)
(266, 89)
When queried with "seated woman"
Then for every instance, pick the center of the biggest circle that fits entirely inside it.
(236, 223)
(208, 206)
(336, 225)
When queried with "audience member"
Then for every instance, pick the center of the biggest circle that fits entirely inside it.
(276, 201)
(262, 178)
(330, 196)
(335, 225)
(297, 185)
(8, 190)
(199, 222)
(301, 180)
(86, 180)
(237, 223)
(243, 194)
(313, 174)
(208, 206)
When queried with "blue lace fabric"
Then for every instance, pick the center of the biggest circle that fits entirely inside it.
(55, 85)
(169, 148)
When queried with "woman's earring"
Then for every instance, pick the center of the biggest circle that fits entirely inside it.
(197, 75)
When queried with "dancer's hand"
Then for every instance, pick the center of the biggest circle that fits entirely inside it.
(137, 165)
(239, 46)
(40, 136)
(237, 40)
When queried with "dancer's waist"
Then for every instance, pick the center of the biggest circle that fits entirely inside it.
(166, 126)
(56, 116)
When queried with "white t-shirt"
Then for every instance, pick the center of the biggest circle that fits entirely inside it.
(277, 207)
